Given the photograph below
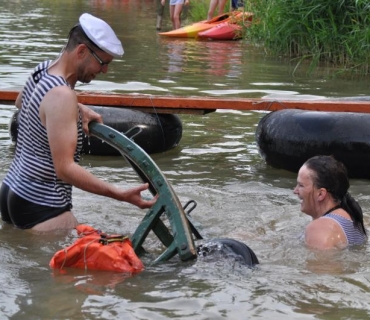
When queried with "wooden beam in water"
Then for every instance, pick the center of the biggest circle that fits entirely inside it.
(202, 105)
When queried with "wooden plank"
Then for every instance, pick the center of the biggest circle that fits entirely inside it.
(201, 105)
(8, 97)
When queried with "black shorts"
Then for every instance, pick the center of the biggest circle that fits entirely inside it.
(24, 214)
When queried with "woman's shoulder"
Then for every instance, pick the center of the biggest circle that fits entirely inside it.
(325, 234)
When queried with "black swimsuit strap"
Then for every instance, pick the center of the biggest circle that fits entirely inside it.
(332, 209)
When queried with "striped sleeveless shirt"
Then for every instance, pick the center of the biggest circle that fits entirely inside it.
(353, 234)
(31, 174)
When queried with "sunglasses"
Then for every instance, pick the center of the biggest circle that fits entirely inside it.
(100, 61)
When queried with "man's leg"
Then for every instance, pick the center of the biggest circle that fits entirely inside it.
(64, 221)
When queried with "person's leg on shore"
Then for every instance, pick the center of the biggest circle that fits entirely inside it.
(177, 14)
(221, 6)
(212, 8)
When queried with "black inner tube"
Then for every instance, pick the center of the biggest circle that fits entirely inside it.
(228, 248)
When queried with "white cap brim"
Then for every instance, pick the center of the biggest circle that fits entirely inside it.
(100, 33)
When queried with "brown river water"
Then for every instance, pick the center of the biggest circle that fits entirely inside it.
(217, 164)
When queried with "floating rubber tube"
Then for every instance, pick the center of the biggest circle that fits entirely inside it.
(154, 133)
(287, 138)
(228, 248)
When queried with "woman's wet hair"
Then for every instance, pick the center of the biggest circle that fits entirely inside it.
(331, 174)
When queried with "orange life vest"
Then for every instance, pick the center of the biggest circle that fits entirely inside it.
(98, 251)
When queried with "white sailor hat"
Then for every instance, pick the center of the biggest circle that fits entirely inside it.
(101, 34)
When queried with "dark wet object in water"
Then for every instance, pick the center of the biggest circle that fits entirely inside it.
(287, 138)
(228, 248)
(154, 133)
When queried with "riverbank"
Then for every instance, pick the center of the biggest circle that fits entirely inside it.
(332, 32)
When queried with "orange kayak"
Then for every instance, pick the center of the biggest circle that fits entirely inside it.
(192, 31)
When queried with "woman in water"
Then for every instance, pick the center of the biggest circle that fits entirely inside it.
(337, 219)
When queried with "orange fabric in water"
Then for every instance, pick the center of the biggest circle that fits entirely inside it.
(88, 253)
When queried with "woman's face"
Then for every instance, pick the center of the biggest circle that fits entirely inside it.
(306, 192)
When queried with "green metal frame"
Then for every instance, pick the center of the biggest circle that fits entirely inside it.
(178, 239)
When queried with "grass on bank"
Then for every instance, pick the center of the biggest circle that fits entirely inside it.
(335, 32)
(199, 9)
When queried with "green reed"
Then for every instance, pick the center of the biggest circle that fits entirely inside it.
(331, 31)
(198, 10)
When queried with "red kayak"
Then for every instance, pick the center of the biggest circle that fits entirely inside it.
(224, 31)
(230, 30)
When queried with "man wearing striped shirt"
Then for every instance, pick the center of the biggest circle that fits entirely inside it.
(37, 191)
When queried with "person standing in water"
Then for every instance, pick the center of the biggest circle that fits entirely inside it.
(160, 12)
(176, 7)
(337, 218)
